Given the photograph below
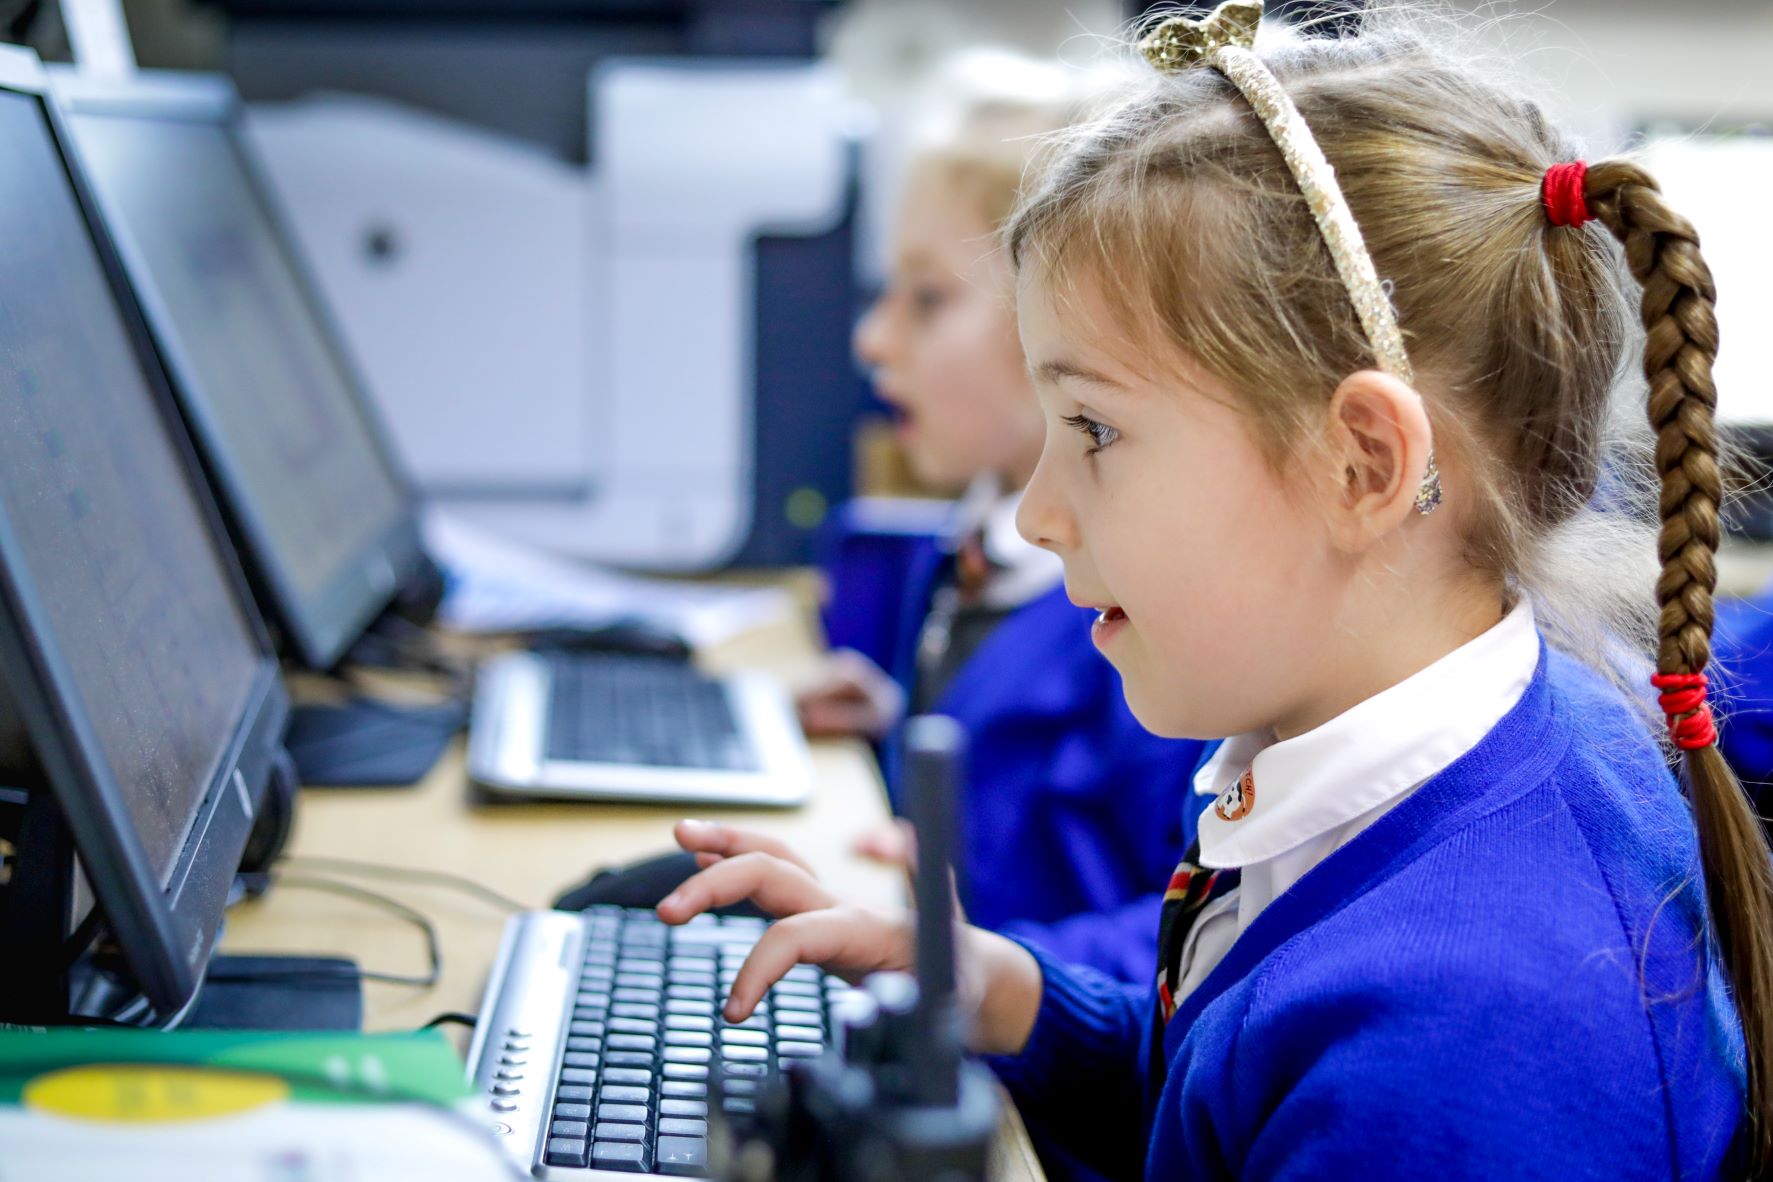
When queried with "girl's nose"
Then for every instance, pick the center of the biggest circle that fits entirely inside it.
(1043, 517)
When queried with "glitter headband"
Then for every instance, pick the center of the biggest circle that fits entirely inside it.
(1226, 42)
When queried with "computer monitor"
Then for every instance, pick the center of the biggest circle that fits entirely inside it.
(316, 501)
(147, 687)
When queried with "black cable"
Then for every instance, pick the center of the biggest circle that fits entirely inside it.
(433, 946)
(452, 1018)
(409, 873)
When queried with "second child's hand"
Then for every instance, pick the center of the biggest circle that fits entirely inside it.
(813, 926)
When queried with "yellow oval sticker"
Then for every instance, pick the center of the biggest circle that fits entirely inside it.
(142, 1094)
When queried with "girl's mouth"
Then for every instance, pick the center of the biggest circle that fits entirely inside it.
(1109, 623)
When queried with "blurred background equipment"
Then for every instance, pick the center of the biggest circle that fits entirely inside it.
(600, 259)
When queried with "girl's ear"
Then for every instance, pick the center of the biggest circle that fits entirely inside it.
(1379, 441)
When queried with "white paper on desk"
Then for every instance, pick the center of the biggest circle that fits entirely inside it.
(496, 585)
(281, 1143)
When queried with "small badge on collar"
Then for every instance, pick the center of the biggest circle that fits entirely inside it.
(1237, 801)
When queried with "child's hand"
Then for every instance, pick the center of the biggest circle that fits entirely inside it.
(894, 843)
(853, 696)
(1000, 980)
(813, 926)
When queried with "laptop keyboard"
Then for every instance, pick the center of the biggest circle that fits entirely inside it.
(648, 711)
(646, 1039)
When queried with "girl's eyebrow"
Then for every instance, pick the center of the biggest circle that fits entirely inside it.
(1054, 371)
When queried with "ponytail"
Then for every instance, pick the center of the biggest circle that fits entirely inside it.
(1681, 340)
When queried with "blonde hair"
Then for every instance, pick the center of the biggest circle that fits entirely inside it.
(1178, 211)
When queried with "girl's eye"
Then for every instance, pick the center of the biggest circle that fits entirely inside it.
(1101, 434)
(925, 301)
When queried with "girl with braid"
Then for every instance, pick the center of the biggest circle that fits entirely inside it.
(1325, 334)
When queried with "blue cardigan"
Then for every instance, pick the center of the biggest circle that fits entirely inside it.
(1459, 992)
(1073, 815)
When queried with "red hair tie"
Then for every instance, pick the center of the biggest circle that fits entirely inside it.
(1690, 723)
(1561, 193)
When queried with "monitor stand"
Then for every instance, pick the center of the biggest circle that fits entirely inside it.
(59, 973)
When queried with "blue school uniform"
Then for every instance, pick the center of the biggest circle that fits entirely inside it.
(1073, 813)
(1504, 976)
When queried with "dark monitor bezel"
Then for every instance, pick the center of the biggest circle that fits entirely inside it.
(322, 627)
(164, 934)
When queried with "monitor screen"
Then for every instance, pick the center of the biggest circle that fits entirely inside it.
(282, 423)
(107, 534)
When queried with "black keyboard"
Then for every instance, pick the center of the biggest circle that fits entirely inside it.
(647, 711)
(645, 1039)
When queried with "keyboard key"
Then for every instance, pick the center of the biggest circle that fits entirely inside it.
(570, 1128)
(572, 1112)
(748, 1070)
(685, 1071)
(576, 1093)
(629, 1059)
(639, 981)
(683, 1108)
(738, 1106)
(624, 1094)
(688, 976)
(584, 1044)
(744, 1038)
(802, 1033)
(591, 999)
(624, 1156)
(615, 1131)
(691, 950)
(688, 1038)
(745, 1054)
(586, 1029)
(688, 1054)
(566, 1151)
(684, 1157)
(578, 1075)
(799, 1050)
(646, 1026)
(634, 1114)
(634, 1009)
(688, 1022)
(792, 1002)
(679, 1126)
(678, 1005)
(631, 1042)
(629, 1076)
(790, 987)
(739, 1087)
(693, 992)
(684, 1088)
(641, 996)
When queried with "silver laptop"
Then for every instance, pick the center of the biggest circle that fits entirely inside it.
(597, 726)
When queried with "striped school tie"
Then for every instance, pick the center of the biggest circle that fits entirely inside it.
(1191, 888)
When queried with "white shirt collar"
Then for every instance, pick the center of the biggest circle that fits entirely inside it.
(1370, 755)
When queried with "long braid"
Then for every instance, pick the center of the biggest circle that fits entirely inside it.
(1681, 341)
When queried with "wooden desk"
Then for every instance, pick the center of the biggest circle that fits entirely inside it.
(533, 851)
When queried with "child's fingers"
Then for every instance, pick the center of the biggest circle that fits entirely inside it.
(710, 837)
(884, 843)
(780, 888)
(845, 940)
